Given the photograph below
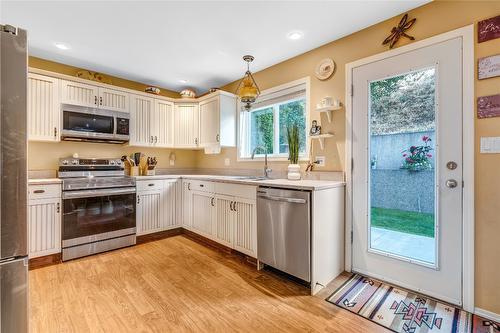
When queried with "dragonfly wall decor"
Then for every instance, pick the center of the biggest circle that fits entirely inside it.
(399, 31)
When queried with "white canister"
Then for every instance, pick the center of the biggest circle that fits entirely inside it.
(294, 172)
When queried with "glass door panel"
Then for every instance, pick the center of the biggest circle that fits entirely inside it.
(402, 176)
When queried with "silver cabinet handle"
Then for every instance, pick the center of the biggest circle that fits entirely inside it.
(151, 184)
(217, 138)
(58, 207)
(55, 132)
(156, 139)
(39, 191)
(231, 206)
(212, 202)
(189, 186)
(95, 100)
(451, 183)
(100, 100)
(234, 206)
(138, 199)
(196, 141)
(282, 199)
(152, 139)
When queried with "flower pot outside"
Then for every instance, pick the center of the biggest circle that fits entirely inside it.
(294, 172)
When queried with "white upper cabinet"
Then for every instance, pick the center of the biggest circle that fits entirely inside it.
(44, 116)
(218, 121)
(209, 122)
(141, 111)
(162, 124)
(186, 127)
(79, 94)
(115, 100)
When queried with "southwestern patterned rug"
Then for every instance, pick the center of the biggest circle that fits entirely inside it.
(402, 311)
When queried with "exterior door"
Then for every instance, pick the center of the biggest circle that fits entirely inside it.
(407, 170)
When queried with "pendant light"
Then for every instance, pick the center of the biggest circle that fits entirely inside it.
(247, 89)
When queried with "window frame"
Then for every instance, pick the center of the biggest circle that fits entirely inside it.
(283, 157)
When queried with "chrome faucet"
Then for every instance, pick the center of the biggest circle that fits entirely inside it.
(267, 170)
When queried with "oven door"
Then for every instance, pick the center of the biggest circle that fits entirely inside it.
(93, 215)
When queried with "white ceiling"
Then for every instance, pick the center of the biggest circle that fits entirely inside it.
(162, 42)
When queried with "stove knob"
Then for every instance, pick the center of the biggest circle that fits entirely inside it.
(118, 162)
(74, 162)
(112, 162)
(65, 162)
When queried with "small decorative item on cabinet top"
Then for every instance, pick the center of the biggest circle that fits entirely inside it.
(488, 29)
(93, 76)
(399, 31)
(324, 69)
(152, 90)
(188, 93)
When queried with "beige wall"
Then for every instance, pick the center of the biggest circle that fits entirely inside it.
(432, 19)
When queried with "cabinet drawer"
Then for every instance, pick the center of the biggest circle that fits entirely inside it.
(201, 185)
(149, 185)
(236, 190)
(44, 191)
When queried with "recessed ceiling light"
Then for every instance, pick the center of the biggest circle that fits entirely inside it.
(183, 81)
(294, 35)
(62, 46)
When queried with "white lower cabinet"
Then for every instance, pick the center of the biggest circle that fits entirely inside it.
(156, 205)
(222, 214)
(44, 220)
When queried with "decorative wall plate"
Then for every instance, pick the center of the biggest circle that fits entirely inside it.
(324, 69)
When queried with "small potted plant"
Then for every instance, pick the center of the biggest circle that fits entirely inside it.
(293, 152)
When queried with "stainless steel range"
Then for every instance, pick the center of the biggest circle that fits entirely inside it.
(98, 206)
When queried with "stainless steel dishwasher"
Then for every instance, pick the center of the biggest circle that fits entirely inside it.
(284, 230)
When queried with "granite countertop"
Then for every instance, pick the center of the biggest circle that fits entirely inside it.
(44, 181)
(304, 184)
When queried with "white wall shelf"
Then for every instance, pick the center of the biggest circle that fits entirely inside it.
(329, 110)
(321, 138)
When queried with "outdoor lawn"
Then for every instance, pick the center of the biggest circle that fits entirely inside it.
(403, 221)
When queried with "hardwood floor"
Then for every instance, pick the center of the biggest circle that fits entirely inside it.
(177, 285)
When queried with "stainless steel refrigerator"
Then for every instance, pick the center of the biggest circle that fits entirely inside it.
(13, 181)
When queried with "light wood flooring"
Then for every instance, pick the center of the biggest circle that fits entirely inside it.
(178, 285)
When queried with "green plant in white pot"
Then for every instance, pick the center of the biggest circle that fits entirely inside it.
(293, 152)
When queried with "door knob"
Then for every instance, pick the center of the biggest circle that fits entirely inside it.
(451, 183)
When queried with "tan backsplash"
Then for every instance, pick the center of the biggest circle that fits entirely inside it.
(45, 156)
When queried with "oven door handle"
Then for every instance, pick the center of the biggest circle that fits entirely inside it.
(97, 193)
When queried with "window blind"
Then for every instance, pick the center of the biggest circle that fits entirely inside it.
(283, 95)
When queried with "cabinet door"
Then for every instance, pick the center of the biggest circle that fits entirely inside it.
(187, 203)
(140, 120)
(186, 127)
(148, 212)
(44, 227)
(202, 211)
(115, 100)
(162, 124)
(169, 204)
(44, 113)
(209, 122)
(79, 94)
(223, 224)
(245, 227)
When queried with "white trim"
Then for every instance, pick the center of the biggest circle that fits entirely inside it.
(303, 157)
(487, 314)
(467, 35)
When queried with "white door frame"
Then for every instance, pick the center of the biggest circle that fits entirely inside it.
(467, 35)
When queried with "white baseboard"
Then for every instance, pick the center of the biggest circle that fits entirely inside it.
(487, 314)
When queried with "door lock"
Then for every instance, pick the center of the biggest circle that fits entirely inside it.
(451, 165)
(451, 183)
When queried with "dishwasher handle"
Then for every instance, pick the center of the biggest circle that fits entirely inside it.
(282, 199)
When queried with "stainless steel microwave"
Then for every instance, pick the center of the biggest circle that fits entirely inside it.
(95, 125)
